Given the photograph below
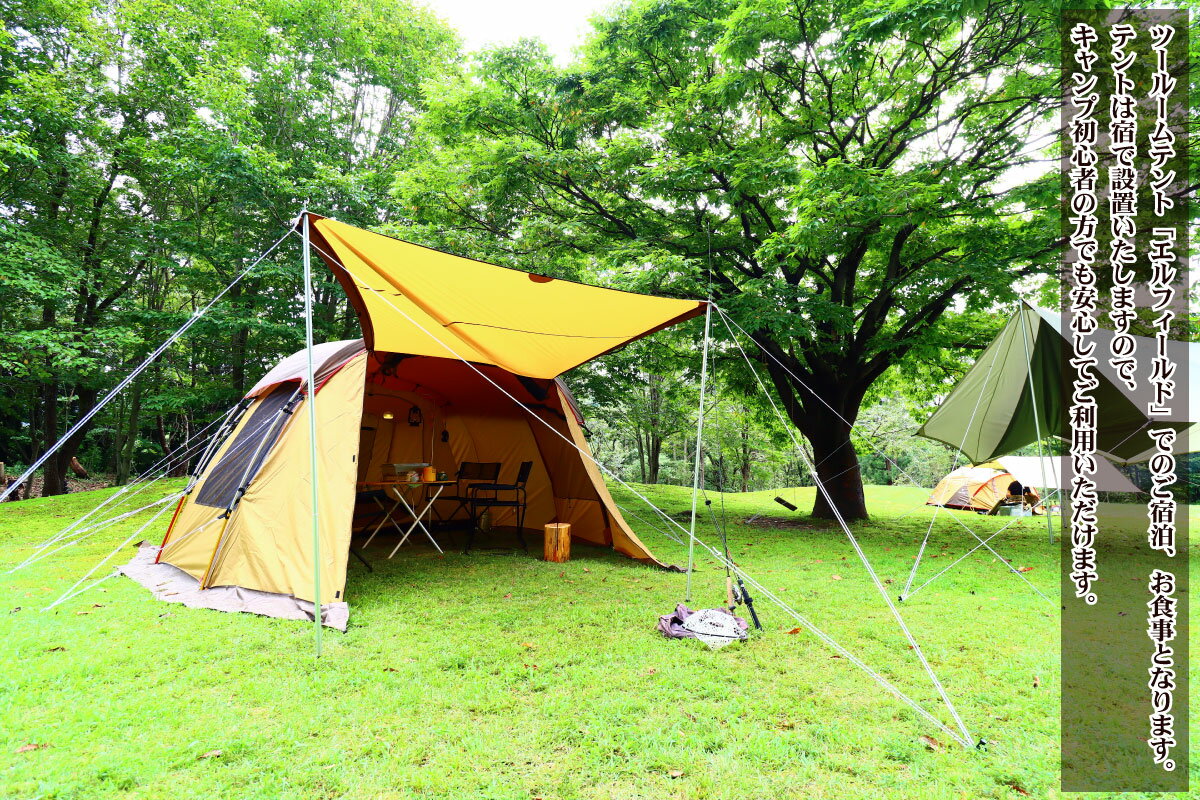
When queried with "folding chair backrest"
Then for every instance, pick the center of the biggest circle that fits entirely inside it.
(478, 471)
(523, 472)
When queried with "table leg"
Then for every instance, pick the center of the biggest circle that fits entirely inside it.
(417, 521)
(387, 517)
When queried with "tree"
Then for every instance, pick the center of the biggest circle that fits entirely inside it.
(150, 152)
(648, 392)
(843, 177)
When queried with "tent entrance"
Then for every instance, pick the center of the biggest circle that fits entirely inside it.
(424, 410)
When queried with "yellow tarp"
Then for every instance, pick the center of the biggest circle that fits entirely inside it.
(412, 299)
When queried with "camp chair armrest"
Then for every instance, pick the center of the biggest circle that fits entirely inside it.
(493, 487)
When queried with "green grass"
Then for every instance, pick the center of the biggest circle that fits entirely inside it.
(502, 676)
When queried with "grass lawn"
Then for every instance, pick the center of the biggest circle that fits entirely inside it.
(497, 675)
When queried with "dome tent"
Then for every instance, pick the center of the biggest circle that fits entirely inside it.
(983, 486)
(476, 348)
(972, 489)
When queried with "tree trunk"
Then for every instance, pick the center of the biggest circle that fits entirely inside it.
(653, 458)
(237, 345)
(837, 468)
(128, 444)
(641, 453)
(827, 428)
(54, 481)
(746, 455)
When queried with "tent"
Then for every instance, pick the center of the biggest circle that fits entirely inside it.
(459, 361)
(994, 410)
(971, 489)
(984, 486)
(470, 354)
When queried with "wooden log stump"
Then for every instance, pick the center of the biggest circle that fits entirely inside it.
(558, 542)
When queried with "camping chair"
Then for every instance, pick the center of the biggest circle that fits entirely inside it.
(469, 473)
(495, 500)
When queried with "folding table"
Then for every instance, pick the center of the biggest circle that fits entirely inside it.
(405, 497)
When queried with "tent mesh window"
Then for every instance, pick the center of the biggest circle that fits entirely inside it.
(254, 441)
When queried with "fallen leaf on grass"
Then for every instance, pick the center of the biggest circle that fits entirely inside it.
(651, 671)
(530, 645)
(836, 577)
(390, 669)
(796, 630)
(15, 610)
(1036, 681)
(25, 748)
(676, 773)
(585, 569)
(210, 754)
(508, 596)
(1018, 788)
(1025, 569)
(82, 613)
(56, 649)
(931, 743)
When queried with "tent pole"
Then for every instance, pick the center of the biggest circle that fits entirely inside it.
(1037, 426)
(312, 432)
(687, 596)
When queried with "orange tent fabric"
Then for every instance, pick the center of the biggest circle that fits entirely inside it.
(972, 489)
(403, 395)
(412, 299)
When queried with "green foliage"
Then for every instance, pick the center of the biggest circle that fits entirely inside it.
(842, 176)
(151, 151)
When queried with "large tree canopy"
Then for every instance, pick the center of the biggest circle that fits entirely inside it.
(842, 176)
(149, 151)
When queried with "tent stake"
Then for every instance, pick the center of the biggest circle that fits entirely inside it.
(1037, 426)
(312, 433)
(687, 596)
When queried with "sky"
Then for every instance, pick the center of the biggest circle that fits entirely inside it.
(561, 24)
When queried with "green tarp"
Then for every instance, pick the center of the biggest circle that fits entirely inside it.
(990, 412)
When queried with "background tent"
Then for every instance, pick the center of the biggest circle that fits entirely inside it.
(982, 487)
(971, 489)
(459, 362)
(990, 412)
